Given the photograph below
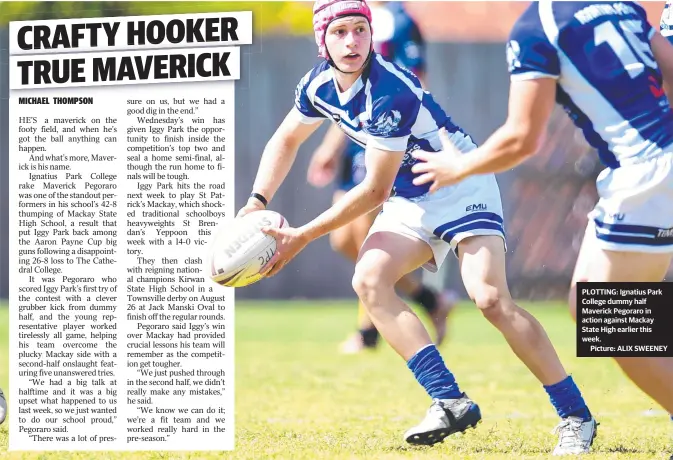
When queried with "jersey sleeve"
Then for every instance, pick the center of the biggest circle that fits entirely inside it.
(303, 107)
(410, 47)
(393, 117)
(529, 53)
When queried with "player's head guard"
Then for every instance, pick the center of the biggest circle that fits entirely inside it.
(326, 11)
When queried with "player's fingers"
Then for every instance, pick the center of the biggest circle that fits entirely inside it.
(271, 232)
(447, 144)
(269, 272)
(424, 179)
(421, 155)
(419, 168)
(269, 265)
(434, 187)
(444, 136)
(276, 268)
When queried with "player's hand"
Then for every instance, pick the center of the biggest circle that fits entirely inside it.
(323, 167)
(289, 242)
(442, 168)
(252, 205)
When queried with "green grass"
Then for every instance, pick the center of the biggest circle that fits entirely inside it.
(297, 398)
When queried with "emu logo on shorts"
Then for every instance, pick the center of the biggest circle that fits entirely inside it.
(476, 207)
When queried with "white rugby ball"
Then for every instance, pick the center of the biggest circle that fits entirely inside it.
(240, 249)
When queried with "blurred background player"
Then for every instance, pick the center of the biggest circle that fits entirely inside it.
(398, 39)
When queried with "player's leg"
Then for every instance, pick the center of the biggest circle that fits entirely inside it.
(474, 226)
(482, 266)
(385, 257)
(347, 241)
(652, 375)
(437, 305)
(366, 336)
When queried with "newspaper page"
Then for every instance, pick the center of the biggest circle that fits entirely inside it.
(121, 164)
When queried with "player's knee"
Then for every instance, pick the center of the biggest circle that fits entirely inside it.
(364, 285)
(489, 300)
(368, 285)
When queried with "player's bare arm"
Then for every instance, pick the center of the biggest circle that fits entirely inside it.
(530, 105)
(277, 159)
(382, 167)
(663, 54)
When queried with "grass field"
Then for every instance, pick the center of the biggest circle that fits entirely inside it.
(297, 398)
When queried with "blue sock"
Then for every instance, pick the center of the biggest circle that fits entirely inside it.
(567, 399)
(431, 372)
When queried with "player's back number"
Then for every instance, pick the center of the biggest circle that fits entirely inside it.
(633, 52)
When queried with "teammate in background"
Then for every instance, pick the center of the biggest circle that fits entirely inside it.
(606, 66)
(384, 108)
(396, 38)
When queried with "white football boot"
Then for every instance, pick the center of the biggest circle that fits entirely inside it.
(575, 436)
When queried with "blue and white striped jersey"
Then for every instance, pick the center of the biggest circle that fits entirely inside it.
(398, 39)
(608, 80)
(386, 108)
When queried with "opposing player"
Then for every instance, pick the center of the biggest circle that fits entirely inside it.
(605, 65)
(384, 108)
(396, 38)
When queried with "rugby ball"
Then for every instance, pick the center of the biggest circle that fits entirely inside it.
(240, 249)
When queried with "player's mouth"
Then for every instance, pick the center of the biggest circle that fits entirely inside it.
(352, 57)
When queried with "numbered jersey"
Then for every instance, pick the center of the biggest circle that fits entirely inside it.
(608, 80)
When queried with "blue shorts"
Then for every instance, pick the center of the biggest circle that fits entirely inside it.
(353, 167)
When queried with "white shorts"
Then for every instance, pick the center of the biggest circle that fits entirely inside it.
(635, 209)
(446, 217)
